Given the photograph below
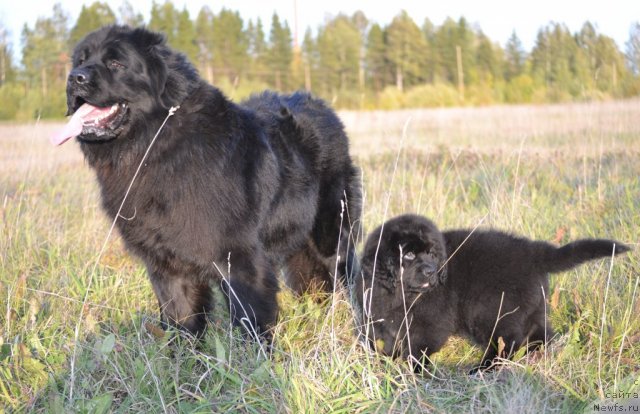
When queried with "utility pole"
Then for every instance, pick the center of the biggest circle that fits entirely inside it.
(460, 72)
(296, 46)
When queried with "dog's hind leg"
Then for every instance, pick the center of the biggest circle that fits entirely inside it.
(305, 272)
(337, 226)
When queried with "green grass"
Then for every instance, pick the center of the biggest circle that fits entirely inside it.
(552, 173)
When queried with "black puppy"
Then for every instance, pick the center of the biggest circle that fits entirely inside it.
(227, 191)
(483, 285)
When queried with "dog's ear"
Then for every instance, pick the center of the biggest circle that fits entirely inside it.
(153, 45)
(159, 77)
(148, 38)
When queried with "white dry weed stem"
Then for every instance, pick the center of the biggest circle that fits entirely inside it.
(366, 305)
(604, 320)
(335, 277)
(627, 319)
(246, 320)
(172, 111)
(484, 354)
(544, 345)
(478, 224)
(515, 181)
(404, 307)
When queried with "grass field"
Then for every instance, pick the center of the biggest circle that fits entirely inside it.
(80, 335)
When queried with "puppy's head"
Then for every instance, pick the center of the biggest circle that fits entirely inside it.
(402, 259)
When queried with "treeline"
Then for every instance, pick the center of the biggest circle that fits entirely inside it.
(349, 60)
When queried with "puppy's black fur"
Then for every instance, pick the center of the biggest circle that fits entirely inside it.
(227, 190)
(461, 282)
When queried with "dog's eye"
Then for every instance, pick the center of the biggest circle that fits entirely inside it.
(409, 256)
(114, 64)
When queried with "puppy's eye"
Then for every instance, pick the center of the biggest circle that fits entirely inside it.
(114, 64)
(409, 256)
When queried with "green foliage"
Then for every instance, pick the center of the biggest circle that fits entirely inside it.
(7, 68)
(279, 53)
(515, 58)
(229, 43)
(633, 49)
(338, 46)
(406, 50)
(176, 25)
(376, 61)
(98, 14)
(129, 16)
(10, 93)
(520, 89)
(349, 61)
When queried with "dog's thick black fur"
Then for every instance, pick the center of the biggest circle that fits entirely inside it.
(460, 282)
(227, 190)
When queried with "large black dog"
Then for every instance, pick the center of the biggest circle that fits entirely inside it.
(227, 191)
(484, 285)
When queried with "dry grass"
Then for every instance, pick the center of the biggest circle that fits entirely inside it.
(549, 172)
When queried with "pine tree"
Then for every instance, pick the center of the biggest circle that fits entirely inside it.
(98, 14)
(129, 16)
(177, 27)
(229, 44)
(339, 46)
(406, 50)
(185, 36)
(431, 57)
(633, 49)
(164, 18)
(515, 57)
(558, 60)
(46, 59)
(310, 59)
(488, 59)
(280, 53)
(204, 42)
(257, 47)
(7, 69)
(378, 67)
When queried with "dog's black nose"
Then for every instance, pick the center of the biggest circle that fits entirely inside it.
(79, 76)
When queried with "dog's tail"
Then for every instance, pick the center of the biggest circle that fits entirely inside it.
(558, 259)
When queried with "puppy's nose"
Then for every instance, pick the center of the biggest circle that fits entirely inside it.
(79, 76)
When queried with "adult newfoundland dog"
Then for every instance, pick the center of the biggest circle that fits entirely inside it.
(227, 192)
(483, 285)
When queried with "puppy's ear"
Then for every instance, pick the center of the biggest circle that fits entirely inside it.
(442, 273)
(387, 275)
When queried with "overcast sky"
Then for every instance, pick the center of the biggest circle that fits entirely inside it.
(497, 18)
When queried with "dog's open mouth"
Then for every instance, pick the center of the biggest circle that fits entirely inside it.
(92, 121)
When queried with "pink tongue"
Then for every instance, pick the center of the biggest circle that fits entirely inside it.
(74, 127)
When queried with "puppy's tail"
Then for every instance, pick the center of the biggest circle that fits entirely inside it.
(559, 259)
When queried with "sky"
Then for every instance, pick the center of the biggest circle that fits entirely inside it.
(497, 18)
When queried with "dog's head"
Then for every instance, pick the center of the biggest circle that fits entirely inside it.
(119, 77)
(402, 259)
